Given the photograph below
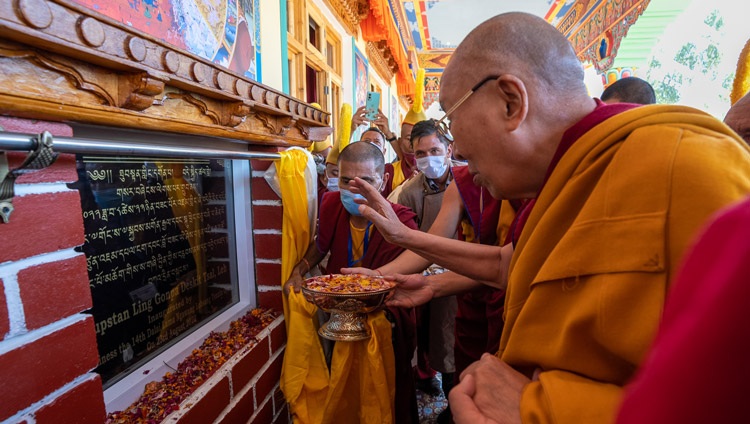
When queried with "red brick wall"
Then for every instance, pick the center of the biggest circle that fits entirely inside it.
(245, 389)
(267, 238)
(48, 346)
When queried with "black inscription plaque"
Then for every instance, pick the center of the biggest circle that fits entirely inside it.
(158, 246)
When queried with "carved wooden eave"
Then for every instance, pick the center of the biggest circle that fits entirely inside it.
(350, 12)
(61, 61)
(381, 59)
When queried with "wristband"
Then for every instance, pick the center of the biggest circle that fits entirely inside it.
(380, 273)
(392, 139)
(308, 265)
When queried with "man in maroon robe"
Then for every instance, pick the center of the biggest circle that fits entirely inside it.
(338, 220)
(479, 318)
(698, 368)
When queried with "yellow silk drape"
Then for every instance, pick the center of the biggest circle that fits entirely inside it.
(360, 386)
(741, 84)
(296, 230)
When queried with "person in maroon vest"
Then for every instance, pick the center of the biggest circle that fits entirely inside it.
(352, 241)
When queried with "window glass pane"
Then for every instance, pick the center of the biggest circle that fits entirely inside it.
(311, 85)
(160, 249)
(314, 33)
(329, 54)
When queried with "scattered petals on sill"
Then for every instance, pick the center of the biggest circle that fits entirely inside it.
(161, 398)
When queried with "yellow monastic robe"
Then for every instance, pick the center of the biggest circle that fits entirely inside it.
(360, 386)
(590, 272)
(398, 175)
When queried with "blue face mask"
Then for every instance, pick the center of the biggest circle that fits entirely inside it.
(333, 184)
(347, 199)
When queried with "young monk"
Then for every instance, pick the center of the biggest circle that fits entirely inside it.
(353, 241)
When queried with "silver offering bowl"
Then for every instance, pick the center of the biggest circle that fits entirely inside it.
(348, 311)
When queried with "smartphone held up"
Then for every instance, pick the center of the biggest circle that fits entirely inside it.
(372, 105)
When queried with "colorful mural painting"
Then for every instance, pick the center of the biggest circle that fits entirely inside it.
(227, 32)
(595, 28)
(361, 84)
(431, 89)
(614, 74)
(361, 80)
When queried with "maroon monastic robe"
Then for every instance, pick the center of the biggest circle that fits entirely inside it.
(388, 183)
(698, 369)
(479, 318)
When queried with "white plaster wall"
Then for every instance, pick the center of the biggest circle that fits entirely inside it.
(270, 44)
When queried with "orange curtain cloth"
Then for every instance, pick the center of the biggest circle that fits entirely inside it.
(378, 26)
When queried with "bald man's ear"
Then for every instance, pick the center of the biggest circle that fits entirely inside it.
(513, 91)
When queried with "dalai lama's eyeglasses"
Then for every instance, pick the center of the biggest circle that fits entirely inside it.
(441, 124)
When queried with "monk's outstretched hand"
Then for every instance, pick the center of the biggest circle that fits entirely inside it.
(379, 211)
(411, 290)
(360, 270)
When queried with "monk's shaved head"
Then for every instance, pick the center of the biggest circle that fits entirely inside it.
(512, 88)
(520, 44)
(738, 117)
(363, 152)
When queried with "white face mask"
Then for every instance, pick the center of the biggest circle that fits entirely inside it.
(333, 184)
(432, 166)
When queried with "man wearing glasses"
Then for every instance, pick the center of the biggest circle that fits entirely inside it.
(617, 193)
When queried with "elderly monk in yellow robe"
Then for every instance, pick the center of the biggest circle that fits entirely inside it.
(617, 193)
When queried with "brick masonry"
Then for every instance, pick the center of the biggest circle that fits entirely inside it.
(253, 375)
(43, 223)
(69, 287)
(45, 365)
(267, 228)
(4, 318)
(50, 350)
(50, 356)
(83, 404)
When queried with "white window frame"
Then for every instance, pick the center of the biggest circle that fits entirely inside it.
(127, 390)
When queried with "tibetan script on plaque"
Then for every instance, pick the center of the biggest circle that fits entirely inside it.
(158, 243)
